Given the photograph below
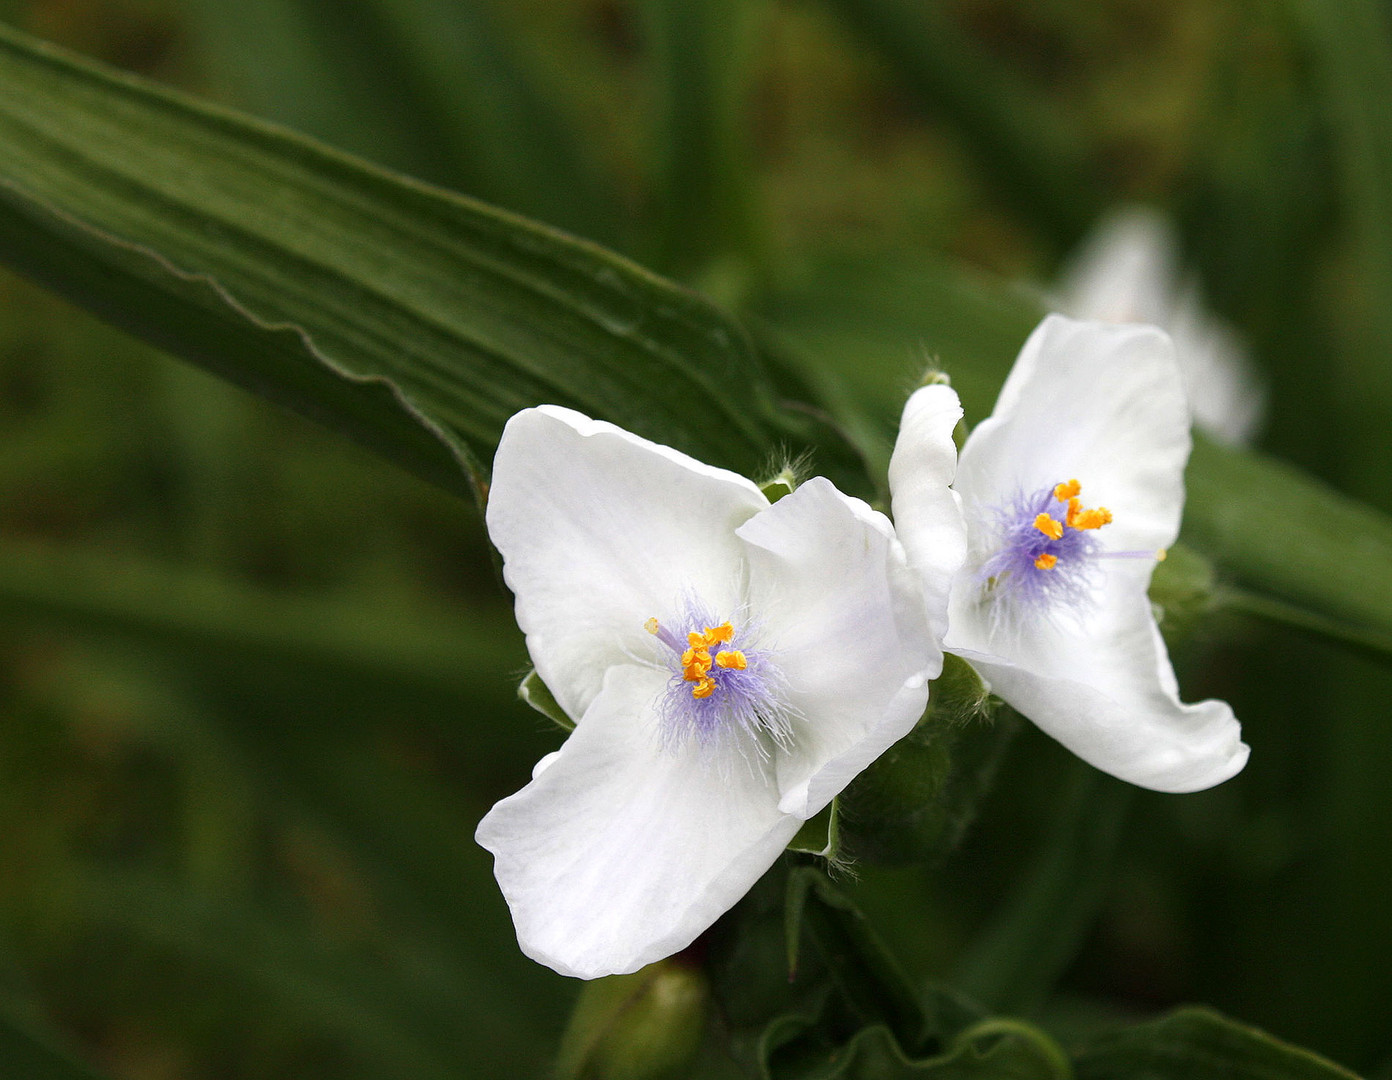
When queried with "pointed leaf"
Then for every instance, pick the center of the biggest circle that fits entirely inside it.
(412, 319)
(1199, 1044)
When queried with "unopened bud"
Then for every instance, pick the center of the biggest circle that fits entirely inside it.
(913, 803)
(644, 1026)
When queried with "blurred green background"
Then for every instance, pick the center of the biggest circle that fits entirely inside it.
(257, 686)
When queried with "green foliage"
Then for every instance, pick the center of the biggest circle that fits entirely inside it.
(1199, 1043)
(644, 1026)
(413, 320)
(431, 88)
(915, 801)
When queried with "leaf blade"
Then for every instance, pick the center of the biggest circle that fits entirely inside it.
(344, 291)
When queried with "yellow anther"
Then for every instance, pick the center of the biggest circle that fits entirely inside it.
(1066, 491)
(1080, 518)
(1162, 555)
(695, 663)
(1046, 561)
(1049, 527)
(719, 635)
(651, 626)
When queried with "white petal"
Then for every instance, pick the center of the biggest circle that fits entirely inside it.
(1101, 404)
(601, 530)
(621, 853)
(927, 512)
(1108, 695)
(1096, 402)
(831, 587)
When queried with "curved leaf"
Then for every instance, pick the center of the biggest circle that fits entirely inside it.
(1199, 1044)
(415, 320)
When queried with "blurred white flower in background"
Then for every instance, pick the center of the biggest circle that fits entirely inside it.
(1128, 272)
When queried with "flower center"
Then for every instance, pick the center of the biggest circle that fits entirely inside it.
(1076, 517)
(1046, 549)
(721, 685)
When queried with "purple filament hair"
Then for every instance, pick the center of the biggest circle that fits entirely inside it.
(746, 706)
(1012, 573)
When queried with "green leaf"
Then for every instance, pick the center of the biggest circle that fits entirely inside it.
(1199, 1044)
(702, 52)
(914, 802)
(1338, 583)
(864, 330)
(1028, 943)
(866, 976)
(820, 835)
(988, 1050)
(414, 320)
(643, 1026)
(431, 87)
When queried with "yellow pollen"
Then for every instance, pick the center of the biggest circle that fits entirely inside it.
(1064, 492)
(696, 664)
(651, 626)
(1046, 561)
(1162, 555)
(1079, 517)
(696, 661)
(1049, 527)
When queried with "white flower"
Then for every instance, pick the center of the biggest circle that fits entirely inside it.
(732, 665)
(1128, 272)
(1071, 490)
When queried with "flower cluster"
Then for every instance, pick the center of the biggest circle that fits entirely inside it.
(732, 663)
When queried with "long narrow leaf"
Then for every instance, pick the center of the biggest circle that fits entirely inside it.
(432, 87)
(702, 52)
(412, 319)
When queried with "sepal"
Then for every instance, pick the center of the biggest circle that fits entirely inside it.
(538, 695)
